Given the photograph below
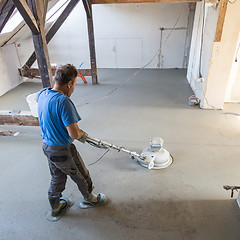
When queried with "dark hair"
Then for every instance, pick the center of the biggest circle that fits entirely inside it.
(65, 73)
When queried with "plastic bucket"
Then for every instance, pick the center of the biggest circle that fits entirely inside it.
(32, 103)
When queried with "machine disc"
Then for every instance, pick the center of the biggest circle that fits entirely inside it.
(156, 160)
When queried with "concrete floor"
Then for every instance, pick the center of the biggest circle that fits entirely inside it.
(185, 201)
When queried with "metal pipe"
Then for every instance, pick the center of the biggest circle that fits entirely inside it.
(103, 143)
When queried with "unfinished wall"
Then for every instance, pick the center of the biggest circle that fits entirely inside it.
(194, 66)
(126, 36)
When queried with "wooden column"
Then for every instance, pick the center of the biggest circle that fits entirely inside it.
(88, 8)
(38, 9)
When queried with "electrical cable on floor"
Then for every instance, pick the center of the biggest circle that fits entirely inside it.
(99, 158)
(133, 75)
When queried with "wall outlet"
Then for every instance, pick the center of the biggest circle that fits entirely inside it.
(200, 80)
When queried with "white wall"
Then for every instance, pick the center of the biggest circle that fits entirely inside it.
(220, 72)
(126, 36)
(233, 88)
(9, 64)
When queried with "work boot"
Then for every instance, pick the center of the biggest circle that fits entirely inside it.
(56, 205)
(91, 198)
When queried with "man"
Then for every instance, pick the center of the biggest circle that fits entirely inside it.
(58, 119)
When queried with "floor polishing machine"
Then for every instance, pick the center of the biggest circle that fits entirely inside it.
(153, 157)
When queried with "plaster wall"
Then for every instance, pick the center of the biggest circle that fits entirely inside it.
(222, 58)
(9, 64)
(233, 88)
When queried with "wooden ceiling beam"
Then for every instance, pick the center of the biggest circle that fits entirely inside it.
(27, 15)
(145, 1)
(35, 73)
(5, 13)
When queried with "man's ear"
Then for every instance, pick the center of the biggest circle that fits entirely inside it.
(69, 84)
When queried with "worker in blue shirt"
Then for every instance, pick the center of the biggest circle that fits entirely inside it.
(58, 119)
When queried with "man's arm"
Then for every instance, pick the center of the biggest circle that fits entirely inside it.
(74, 131)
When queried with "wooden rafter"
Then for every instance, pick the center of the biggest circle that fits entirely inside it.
(6, 10)
(57, 24)
(221, 19)
(27, 15)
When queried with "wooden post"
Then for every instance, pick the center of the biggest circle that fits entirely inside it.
(40, 43)
(88, 8)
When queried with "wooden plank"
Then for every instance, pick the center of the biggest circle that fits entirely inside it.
(40, 46)
(27, 15)
(5, 13)
(142, 1)
(34, 72)
(23, 118)
(57, 24)
(221, 19)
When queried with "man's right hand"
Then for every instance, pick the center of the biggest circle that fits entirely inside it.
(83, 138)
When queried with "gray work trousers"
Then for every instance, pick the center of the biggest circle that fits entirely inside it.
(63, 161)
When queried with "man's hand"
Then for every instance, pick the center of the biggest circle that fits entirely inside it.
(83, 138)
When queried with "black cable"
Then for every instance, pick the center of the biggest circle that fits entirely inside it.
(99, 158)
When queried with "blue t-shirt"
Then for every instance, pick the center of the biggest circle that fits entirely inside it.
(55, 112)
